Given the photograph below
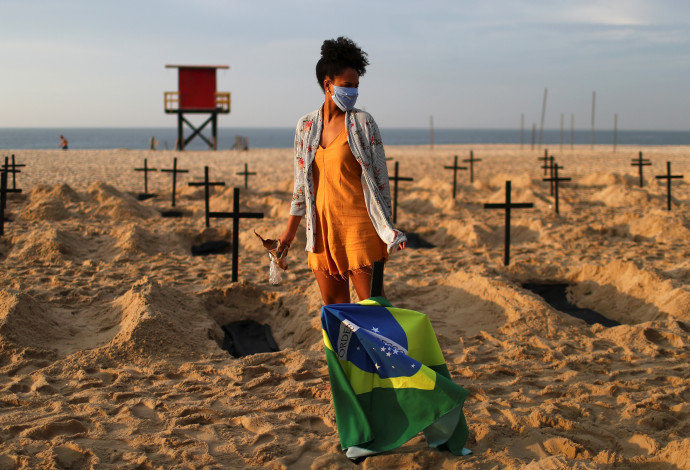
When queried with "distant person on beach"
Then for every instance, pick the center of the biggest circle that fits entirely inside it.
(63, 143)
(341, 181)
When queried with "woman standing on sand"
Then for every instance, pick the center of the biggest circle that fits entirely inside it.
(341, 181)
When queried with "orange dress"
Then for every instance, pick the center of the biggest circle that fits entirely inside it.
(346, 239)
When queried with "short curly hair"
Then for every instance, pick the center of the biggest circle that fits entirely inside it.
(338, 55)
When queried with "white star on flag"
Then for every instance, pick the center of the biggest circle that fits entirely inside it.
(383, 349)
(413, 366)
(377, 366)
(388, 354)
(374, 329)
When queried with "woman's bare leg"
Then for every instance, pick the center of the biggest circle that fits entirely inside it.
(361, 280)
(333, 290)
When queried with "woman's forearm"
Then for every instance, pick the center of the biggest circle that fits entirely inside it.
(291, 230)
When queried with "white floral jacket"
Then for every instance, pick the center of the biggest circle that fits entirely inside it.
(365, 142)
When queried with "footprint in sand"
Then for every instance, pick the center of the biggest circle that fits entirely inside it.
(46, 432)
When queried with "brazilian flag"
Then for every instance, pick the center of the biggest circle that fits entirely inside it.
(389, 380)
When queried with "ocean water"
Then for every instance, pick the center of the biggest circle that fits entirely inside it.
(138, 138)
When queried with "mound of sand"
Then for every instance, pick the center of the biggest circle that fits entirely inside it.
(48, 203)
(618, 195)
(623, 292)
(113, 204)
(607, 179)
(48, 245)
(159, 322)
(520, 180)
(133, 239)
(26, 323)
(656, 224)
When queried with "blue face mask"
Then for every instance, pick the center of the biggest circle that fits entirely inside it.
(345, 98)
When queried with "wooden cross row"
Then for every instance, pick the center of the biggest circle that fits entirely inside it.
(555, 180)
(207, 191)
(471, 161)
(397, 178)
(236, 215)
(246, 174)
(545, 160)
(174, 172)
(668, 177)
(455, 169)
(7, 168)
(508, 206)
(146, 170)
(640, 162)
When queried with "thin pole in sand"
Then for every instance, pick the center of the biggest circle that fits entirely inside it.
(555, 180)
(455, 169)
(591, 138)
(522, 130)
(246, 174)
(641, 162)
(615, 130)
(376, 289)
(236, 215)
(543, 112)
(668, 177)
(397, 178)
(207, 192)
(146, 170)
(471, 161)
(174, 172)
(508, 206)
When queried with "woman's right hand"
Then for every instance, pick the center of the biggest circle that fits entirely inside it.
(286, 238)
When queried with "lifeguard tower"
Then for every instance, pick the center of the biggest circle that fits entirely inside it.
(197, 95)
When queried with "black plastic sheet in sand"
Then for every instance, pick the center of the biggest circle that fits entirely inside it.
(555, 295)
(214, 247)
(246, 337)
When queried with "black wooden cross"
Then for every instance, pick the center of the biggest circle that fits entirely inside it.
(471, 161)
(146, 170)
(12, 169)
(3, 199)
(641, 162)
(246, 174)
(553, 167)
(455, 169)
(668, 177)
(207, 191)
(545, 159)
(236, 215)
(508, 206)
(555, 180)
(397, 178)
(174, 172)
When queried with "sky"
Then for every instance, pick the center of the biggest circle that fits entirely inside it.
(479, 64)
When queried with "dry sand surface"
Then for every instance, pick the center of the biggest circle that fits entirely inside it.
(110, 328)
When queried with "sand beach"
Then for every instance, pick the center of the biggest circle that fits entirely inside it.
(110, 330)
